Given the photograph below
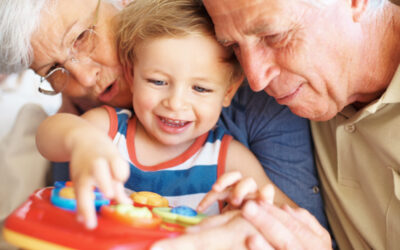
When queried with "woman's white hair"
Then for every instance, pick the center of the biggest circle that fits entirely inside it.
(19, 19)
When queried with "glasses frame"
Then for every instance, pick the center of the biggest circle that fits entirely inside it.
(73, 59)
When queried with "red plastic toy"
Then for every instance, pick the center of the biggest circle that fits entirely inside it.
(38, 224)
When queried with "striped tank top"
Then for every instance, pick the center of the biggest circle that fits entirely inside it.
(183, 180)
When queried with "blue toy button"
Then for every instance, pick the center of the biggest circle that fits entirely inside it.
(184, 210)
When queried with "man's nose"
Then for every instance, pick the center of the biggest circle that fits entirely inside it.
(259, 65)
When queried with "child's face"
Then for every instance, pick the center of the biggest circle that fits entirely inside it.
(180, 86)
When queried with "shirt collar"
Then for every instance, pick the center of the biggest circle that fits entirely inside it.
(391, 95)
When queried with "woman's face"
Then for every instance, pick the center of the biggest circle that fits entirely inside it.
(98, 77)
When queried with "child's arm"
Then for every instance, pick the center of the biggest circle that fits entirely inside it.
(94, 159)
(244, 174)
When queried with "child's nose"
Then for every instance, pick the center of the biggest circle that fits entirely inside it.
(176, 100)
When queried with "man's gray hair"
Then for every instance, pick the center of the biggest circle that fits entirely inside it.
(18, 20)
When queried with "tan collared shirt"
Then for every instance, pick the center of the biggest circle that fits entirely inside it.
(358, 160)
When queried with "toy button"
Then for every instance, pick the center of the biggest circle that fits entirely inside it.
(134, 216)
(149, 198)
(184, 210)
(166, 214)
(63, 196)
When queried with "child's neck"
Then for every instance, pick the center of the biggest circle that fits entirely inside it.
(149, 151)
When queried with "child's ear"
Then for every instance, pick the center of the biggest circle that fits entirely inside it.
(231, 91)
(128, 73)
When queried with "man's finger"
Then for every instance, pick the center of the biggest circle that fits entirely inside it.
(231, 235)
(257, 242)
(213, 221)
(311, 234)
(271, 224)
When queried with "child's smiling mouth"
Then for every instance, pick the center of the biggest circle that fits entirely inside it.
(173, 123)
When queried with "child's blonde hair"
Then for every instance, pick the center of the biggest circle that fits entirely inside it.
(147, 19)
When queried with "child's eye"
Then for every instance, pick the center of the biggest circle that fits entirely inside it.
(157, 82)
(201, 89)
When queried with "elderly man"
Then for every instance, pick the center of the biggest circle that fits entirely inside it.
(335, 62)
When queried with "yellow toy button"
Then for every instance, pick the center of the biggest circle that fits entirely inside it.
(149, 198)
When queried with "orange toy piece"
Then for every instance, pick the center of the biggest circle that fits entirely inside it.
(149, 199)
(140, 217)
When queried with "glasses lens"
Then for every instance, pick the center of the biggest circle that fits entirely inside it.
(84, 44)
(54, 82)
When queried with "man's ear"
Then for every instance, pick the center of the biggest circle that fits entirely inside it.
(128, 73)
(358, 8)
(231, 91)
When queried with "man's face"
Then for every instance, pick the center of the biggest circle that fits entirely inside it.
(297, 52)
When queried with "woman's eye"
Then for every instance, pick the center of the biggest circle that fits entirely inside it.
(53, 67)
(157, 82)
(83, 41)
(201, 89)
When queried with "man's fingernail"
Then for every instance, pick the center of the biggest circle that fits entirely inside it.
(250, 209)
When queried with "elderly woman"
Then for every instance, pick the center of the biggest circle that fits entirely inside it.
(70, 43)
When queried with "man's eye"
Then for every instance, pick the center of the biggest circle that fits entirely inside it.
(273, 39)
(278, 40)
(157, 82)
(201, 89)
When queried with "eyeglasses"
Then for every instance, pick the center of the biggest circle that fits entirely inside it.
(82, 48)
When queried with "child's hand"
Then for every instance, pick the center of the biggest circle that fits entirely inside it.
(231, 187)
(95, 161)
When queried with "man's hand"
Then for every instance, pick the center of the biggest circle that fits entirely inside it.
(284, 228)
(226, 231)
